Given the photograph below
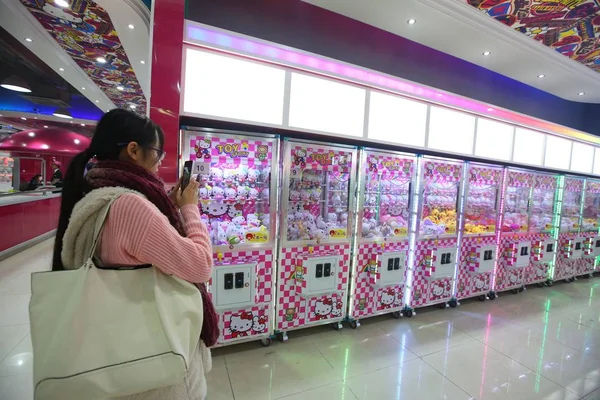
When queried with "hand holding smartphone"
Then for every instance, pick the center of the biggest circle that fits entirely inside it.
(187, 174)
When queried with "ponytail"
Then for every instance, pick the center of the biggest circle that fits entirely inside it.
(73, 190)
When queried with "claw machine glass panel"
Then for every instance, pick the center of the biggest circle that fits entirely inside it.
(514, 249)
(542, 228)
(478, 244)
(314, 265)
(380, 267)
(238, 189)
(589, 226)
(436, 245)
(570, 260)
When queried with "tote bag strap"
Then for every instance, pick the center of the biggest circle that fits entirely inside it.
(99, 227)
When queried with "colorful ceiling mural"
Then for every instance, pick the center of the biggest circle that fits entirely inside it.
(87, 130)
(85, 31)
(571, 27)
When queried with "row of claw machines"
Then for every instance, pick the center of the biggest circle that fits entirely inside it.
(308, 233)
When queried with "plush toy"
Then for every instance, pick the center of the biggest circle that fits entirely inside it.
(344, 217)
(239, 220)
(294, 195)
(203, 193)
(253, 194)
(315, 194)
(265, 194)
(230, 194)
(241, 173)
(332, 218)
(229, 176)
(305, 195)
(218, 193)
(253, 220)
(242, 193)
(266, 220)
(320, 223)
(253, 175)
(216, 175)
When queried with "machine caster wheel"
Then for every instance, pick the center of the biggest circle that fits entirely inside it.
(514, 291)
(397, 314)
(409, 313)
(354, 324)
(266, 342)
(574, 279)
(482, 297)
(521, 289)
(492, 295)
(282, 337)
(540, 284)
(590, 275)
(443, 305)
(453, 303)
(337, 326)
(549, 283)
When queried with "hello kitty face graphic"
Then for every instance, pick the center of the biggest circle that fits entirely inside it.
(240, 325)
(205, 144)
(323, 308)
(259, 324)
(438, 290)
(479, 283)
(387, 298)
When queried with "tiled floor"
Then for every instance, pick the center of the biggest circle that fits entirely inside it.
(540, 344)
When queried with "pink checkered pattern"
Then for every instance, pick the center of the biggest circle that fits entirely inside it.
(566, 267)
(367, 299)
(253, 147)
(484, 175)
(470, 282)
(507, 277)
(520, 179)
(422, 285)
(592, 186)
(248, 324)
(315, 165)
(586, 265)
(573, 185)
(537, 272)
(439, 171)
(548, 182)
(293, 310)
(264, 278)
(390, 166)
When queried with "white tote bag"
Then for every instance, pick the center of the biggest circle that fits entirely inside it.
(102, 333)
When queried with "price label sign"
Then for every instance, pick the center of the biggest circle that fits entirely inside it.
(201, 168)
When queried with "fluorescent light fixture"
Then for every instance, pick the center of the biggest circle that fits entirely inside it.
(62, 113)
(16, 84)
(61, 3)
(97, 101)
(581, 94)
(61, 69)
(130, 26)
(487, 53)
(101, 60)
(45, 146)
(541, 76)
(412, 21)
(82, 88)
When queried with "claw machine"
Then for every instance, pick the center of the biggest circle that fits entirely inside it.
(543, 224)
(478, 247)
(589, 227)
(570, 241)
(316, 235)
(436, 246)
(383, 226)
(514, 244)
(238, 202)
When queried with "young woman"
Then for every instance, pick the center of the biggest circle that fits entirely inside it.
(144, 225)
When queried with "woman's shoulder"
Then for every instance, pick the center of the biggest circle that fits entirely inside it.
(133, 204)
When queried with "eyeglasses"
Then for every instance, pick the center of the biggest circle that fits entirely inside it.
(161, 153)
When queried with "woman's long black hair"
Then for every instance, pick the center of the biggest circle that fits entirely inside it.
(114, 131)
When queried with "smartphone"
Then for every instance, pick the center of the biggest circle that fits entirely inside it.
(187, 174)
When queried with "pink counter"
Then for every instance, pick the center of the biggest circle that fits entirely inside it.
(26, 217)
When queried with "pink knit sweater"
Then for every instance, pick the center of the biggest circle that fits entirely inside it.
(137, 233)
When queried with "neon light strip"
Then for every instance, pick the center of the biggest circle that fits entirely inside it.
(244, 45)
(414, 215)
(560, 188)
(460, 224)
(499, 222)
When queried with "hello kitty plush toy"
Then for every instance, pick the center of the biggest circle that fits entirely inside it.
(253, 221)
(332, 218)
(216, 175)
(218, 193)
(265, 194)
(305, 195)
(320, 222)
(203, 193)
(253, 194)
(266, 220)
(253, 175)
(241, 173)
(228, 176)
(239, 220)
(336, 200)
(344, 218)
(294, 195)
(230, 195)
(315, 194)
(242, 193)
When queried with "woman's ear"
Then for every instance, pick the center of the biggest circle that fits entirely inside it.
(133, 151)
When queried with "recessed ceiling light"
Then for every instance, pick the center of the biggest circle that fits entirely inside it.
(24, 119)
(23, 144)
(31, 134)
(45, 146)
(82, 124)
(61, 3)
(61, 69)
(46, 126)
(412, 21)
(130, 26)
(97, 101)
(77, 141)
(120, 88)
(71, 121)
(581, 93)
(143, 62)
(34, 117)
(487, 53)
(82, 88)
(16, 84)
(28, 40)
(541, 76)
(101, 60)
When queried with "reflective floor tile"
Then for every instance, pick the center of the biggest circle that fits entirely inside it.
(19, 361)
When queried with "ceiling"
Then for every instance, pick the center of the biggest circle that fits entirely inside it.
(459, 29)
(68, 41)
(570, 27)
